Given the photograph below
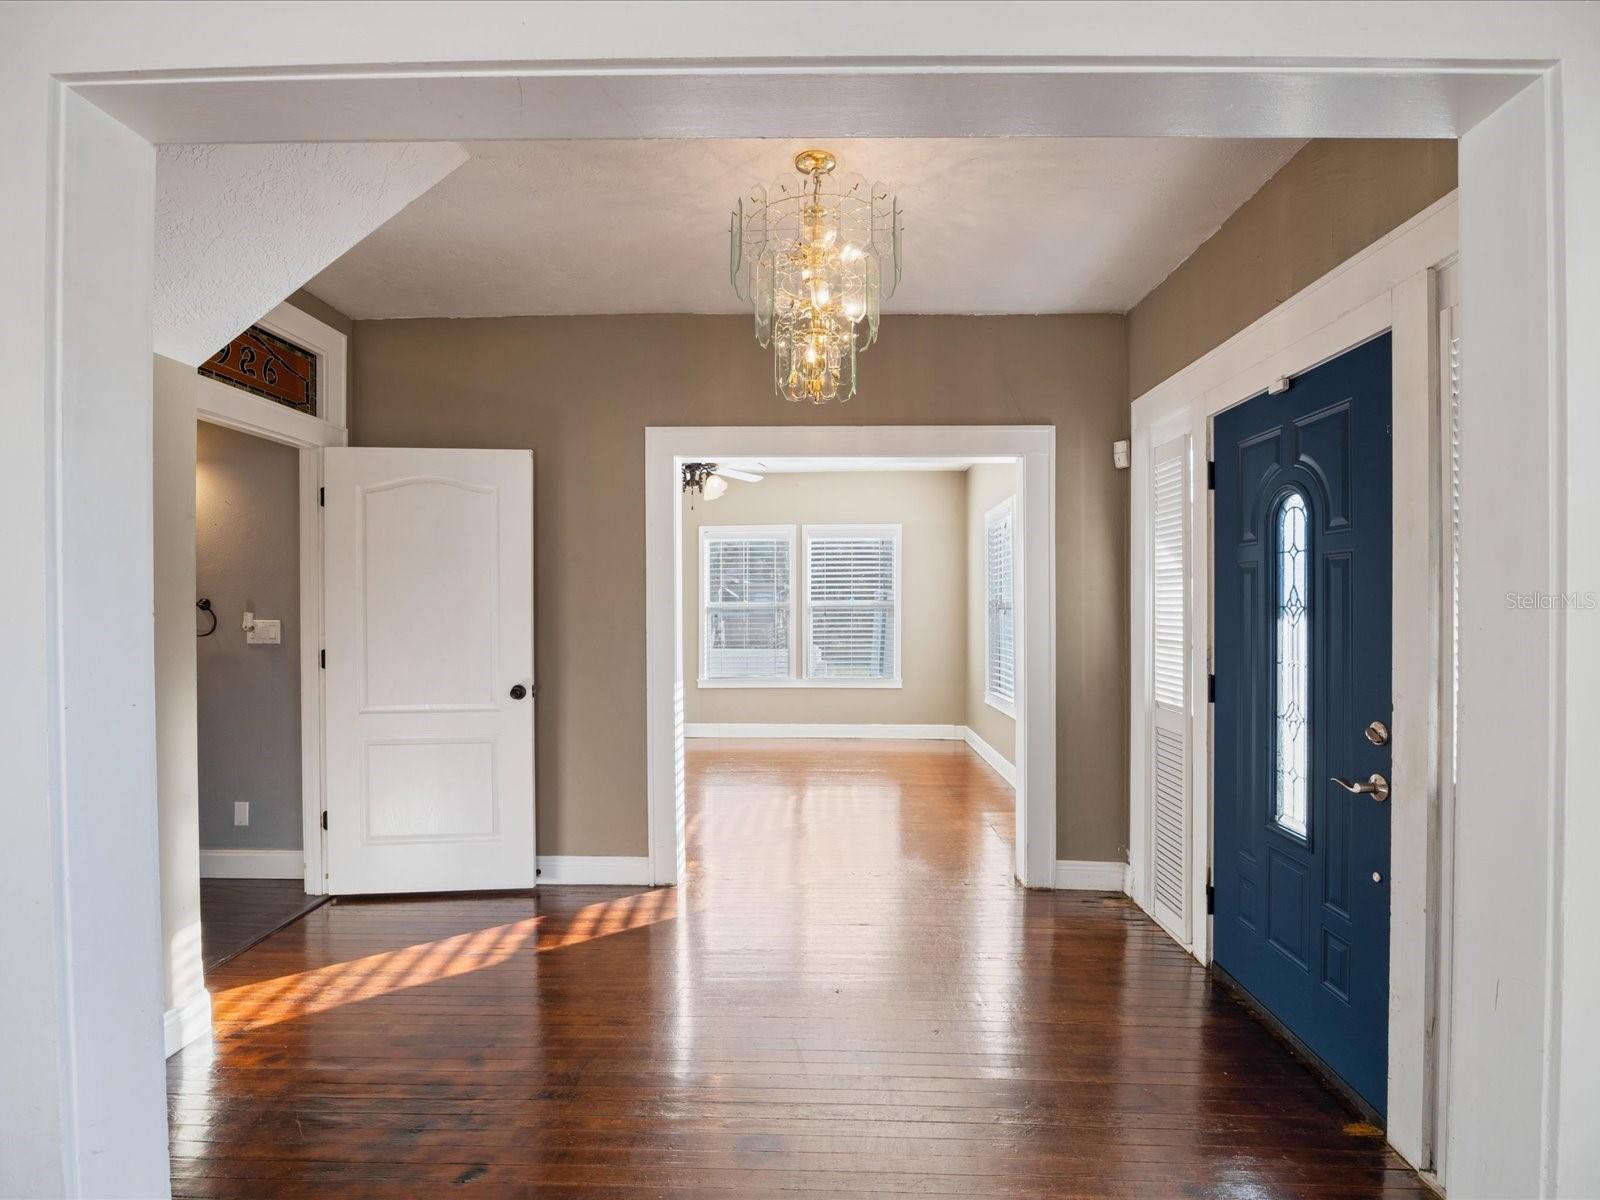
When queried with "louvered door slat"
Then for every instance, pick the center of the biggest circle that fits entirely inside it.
(1169, 681)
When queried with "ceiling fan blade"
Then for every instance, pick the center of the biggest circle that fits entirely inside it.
(732, 473)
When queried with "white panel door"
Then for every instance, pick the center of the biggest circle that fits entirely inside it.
(429, 673)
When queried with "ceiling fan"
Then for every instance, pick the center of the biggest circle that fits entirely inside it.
(710, 480)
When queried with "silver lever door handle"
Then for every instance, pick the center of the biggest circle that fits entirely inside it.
(1374, 785)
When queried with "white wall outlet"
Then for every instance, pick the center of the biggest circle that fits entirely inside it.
(264, 633)
(1121, 455)
(241, 812)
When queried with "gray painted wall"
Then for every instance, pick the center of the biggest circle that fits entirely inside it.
(247, 555)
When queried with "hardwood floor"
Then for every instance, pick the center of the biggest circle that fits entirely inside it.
(848, 999)
(237, 913)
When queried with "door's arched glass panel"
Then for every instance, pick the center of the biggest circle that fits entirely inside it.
(1292, 654)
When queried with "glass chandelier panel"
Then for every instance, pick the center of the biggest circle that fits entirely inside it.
(816, 254)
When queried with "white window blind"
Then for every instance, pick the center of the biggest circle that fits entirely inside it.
(749, 602)
(1169, 574)
(852, 602)
(1000, 673)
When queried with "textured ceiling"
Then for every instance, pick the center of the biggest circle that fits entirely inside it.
(992, 225)
(239, 227)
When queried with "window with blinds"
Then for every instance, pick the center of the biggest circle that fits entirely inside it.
(1000, 653)
(747, 574)
(852, 593)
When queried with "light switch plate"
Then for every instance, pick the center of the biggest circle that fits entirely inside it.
(264, 633)
(241, 812)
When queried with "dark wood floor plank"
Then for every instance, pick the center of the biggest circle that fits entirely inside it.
(848, 998)
(235, 914)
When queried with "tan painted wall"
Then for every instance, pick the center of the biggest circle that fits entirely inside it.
(319, 308)
(177, 782)
(579, 391)
(1330, 200)
(988, 484)
(930, 508)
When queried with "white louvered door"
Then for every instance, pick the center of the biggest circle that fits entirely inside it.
(1169, 640)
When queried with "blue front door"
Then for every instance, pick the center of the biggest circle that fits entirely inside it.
(1303, 611)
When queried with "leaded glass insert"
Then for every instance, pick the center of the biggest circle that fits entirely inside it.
(1292, 653)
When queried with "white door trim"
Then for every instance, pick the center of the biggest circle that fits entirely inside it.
(1388, 286)
(219, 404)
(1033, 447)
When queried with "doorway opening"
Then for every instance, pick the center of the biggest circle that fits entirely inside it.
(849, 623)
(248, 682)
(238, 477)
(859, 585)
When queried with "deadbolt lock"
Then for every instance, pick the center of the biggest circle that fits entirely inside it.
(1378, 733)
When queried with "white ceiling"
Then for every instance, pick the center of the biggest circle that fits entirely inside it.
(220, 205)
(992, 225)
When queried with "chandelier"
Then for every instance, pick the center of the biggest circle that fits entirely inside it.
(815, 254)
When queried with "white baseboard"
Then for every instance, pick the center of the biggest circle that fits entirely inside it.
(1085, 875)
(558, 869)
(252, 864)
(990, 755)
(189, 1022)
(943, 733)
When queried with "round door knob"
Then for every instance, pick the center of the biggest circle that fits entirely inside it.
(518, 691)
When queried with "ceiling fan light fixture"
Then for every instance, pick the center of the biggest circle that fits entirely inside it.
(815, 254)
(714, 487)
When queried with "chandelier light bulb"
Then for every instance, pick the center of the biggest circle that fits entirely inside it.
(816, 254)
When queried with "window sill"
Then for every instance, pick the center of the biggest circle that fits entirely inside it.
(1009, 707)
(798, 683)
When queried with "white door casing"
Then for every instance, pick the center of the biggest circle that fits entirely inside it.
(429, 575)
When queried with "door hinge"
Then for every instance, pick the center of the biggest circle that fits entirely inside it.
(324, 818)
(322, 497)
(1211, 689)
(1211, 476)
(1211, 897)
(322, 659)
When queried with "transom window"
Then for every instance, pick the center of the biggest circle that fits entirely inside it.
(834, 622)
(1292, 658)
(1000, 641)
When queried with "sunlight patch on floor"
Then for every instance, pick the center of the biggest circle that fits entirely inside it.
(258, 1005)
